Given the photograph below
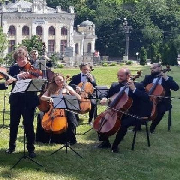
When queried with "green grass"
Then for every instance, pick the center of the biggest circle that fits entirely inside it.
(161, 161)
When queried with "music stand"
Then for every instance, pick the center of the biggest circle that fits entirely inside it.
(99, 90)
(4, 110)
(41, 64)
(69, 103)
(24, 86)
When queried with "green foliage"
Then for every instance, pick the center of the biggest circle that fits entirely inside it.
(104, 64)
(129, 63)
(143, 56)
(60, 66)
(54, 59)
(113, 64)
(34, 43)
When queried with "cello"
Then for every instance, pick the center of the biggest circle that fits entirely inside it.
(155, 90)
(87, 89)
(54, 120)
(109, 121)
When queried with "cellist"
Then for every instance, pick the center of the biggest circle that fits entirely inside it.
(141, 106)
(58, 87)
(168, 84)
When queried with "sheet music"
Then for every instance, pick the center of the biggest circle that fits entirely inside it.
(36, 85)
(21, 86)
(58, 101)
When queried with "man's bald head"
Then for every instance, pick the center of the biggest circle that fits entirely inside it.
(123, 74)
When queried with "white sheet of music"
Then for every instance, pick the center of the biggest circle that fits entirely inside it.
(58, 101)
(21, 86)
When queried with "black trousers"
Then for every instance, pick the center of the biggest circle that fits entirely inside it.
(93, 111)
(16, 111)
(126, 122)
(161, 110)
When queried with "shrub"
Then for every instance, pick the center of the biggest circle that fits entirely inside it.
(113, 64)
(129, 62)
(104, 64)
(60, 66)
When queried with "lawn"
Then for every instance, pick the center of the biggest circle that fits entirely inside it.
(161, 161)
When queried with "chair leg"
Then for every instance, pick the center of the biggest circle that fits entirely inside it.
(147, 133)
(134, 138)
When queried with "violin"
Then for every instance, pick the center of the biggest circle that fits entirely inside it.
(4, 74)
(155, 90)
(33, 73)
(109, 121)
(54, 120)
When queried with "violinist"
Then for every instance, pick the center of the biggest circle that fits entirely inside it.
(22, 104)
(58, 87)
(85, 76)
(168, 84)
(141, 107)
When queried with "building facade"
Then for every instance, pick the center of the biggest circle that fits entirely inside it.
(21, 20)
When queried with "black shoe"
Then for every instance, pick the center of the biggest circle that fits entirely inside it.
(114, 150)
(104, 144)
(10, 151)
(32, 154)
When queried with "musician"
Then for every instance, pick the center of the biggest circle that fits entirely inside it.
(85, 76)
(58, 87)
(168, 84)
(34, 57)
(141, 107)
(22, 104)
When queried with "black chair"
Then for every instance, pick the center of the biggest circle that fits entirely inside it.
(143, 121)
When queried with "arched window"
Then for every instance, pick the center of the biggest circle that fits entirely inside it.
(39, 30)
(63, 31)
(76, 48)
(25, 31)
(63, 45)
(51, 31)
(89, 48)
(12, 31)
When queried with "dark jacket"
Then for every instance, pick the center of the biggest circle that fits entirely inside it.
(141, 105)
(2, 86)
(76, 79)
(28, 99)
(168, 85)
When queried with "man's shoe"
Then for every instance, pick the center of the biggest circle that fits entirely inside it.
(104, 144)
(114, 150)
(10, 151)
(152, 128)
(32, 154)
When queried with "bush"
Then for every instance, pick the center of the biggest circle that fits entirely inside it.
(129, 62)
(104, 64)
(112, 64)
(60, 66)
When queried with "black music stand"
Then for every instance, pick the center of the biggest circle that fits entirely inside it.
(3, 126)
(99, 90)
(41, 64)
(24, 86)
(69, 103)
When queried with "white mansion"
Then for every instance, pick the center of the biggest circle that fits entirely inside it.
(22, 19)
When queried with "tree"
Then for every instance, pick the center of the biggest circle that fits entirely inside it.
(143, 56)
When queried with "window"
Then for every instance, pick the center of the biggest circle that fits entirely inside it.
(11, 46)
(63, 45)
(12, 31)
(89, 48)
(39, 30)
(63, 31)
(76, 48)
(51, 31)
(51, 45)
(25, 31)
